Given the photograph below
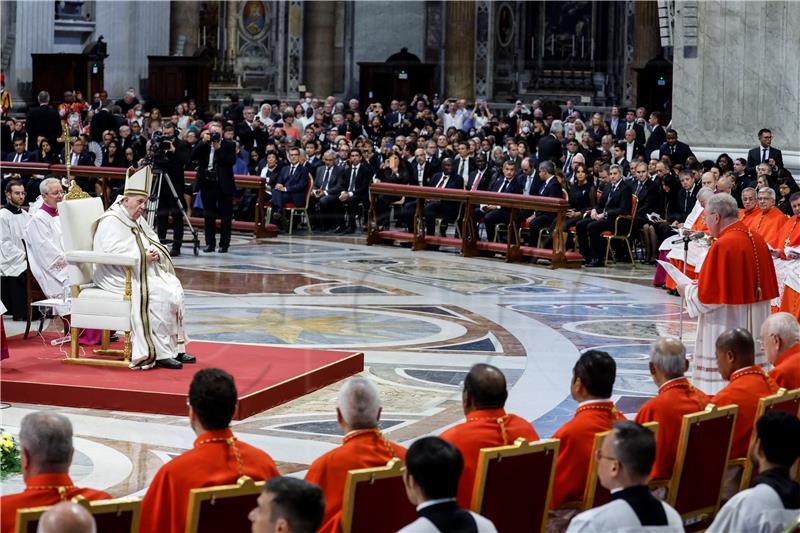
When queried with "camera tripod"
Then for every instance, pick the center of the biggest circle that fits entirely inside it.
(152, 205)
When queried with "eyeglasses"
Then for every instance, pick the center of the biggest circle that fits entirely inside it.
(57, 193)
(599, 455)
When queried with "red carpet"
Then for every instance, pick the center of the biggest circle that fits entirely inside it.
(265, 377)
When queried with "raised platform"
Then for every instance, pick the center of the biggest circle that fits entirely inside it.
(265, 377)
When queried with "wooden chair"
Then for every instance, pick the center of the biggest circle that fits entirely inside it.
(594, 494)
(375, 500)
(111, 516)
(513, 484)
(303, 210)
(696, 485)
(622, 236)
(782, 400)
(222, 508)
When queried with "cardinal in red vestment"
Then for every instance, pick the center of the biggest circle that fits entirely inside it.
(676, 397)
(780, 336)
(363, 446)
(592, 383)
(734, 288)
(748, 384)
(771, 218)
(46, 454)
(487, 425)
(751, 212)
(217, 457)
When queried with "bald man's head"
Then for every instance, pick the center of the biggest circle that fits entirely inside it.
(735, 350)
(484, 388)
(66, 517)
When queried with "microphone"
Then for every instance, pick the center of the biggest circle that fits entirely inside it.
(696, 236)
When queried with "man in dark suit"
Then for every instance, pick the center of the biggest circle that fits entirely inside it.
(631, 124)
(447, 211)
(464, 162)
(616, 201)
(328, 185)
(251, 131)
(421, 170)
(615, 124)
(482, 177)
(618, 158)
(20, 154)
(648, 194)
(313, 157)
(43, 121)
(633, 148)
(764, 153)
(550, 149)
(657, 135)
(102, 122)
(177, 156)
(357, 177)
(549, 187)
(569, 110)
(492, 215)
(215, 182)
(291, 187)
(678, 152)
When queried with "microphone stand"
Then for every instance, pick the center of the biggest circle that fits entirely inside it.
(686, 240)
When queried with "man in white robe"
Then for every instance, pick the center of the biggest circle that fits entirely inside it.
(623, 467)
(13, 222)
(47, 258)
(734, 288)
(774, 499)
(157, 295)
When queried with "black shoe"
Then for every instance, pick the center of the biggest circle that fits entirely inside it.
(209, 249)
(113, 338)
(348, 231)
(174, 252)
(171, 363)
(594, 264)
(223, 250)
(186, 359)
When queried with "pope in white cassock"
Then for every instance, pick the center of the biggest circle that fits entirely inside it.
(157, 299)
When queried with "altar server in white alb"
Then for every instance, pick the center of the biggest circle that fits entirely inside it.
(157, 299)
(773, 501)
(47, 258)
(13, 222)
(623, 466)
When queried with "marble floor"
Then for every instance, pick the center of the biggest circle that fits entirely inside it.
(421, 318)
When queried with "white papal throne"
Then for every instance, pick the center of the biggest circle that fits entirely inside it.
(93, 307)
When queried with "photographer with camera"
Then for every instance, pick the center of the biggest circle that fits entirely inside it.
(170, 156)
(215, 159)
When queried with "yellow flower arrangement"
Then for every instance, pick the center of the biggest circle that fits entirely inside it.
(9, 456)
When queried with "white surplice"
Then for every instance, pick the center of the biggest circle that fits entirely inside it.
(755, 510)
(712, 321)
(47, 259)
(157, 295)
(12, 252)
(620, 517)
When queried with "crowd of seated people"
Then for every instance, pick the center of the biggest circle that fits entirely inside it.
(441, 471)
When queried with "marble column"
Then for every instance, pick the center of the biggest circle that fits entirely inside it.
(184, 21)
(318, 45)
(743, 75)
(34, 35)
(460, 49)
(231, 37)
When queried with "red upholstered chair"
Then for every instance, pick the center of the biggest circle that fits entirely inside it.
(623, 236)
(111, 516)
(302, 209)
(700, 465)
(783, 400)
(513, 484)
(375, 500)
(595, 494)
(222, 508)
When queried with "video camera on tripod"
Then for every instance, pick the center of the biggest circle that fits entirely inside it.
(160, 148)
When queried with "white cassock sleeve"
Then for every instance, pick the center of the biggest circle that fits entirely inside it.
(12, 255)
(46, 254)
(755, 510)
